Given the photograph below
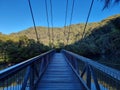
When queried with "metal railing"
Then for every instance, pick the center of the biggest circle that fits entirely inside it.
(95, 75)
(25, 75)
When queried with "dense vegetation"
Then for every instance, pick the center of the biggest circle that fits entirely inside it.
(101, 43)
(102, 40)
(13, 51)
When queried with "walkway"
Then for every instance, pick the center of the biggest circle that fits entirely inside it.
(59, 76)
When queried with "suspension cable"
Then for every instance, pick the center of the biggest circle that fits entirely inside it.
(70, 21)
(52, 20)
(47, 22)
(87, 19)
(65, 19)
(33, 20)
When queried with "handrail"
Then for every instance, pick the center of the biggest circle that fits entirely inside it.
(83, 83)
(110, 71)
(10, 70)
(25, 73)
(90, 71)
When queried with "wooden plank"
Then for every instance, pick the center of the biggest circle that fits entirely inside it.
(60, 86)
(59, 76)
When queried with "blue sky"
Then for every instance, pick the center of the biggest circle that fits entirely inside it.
(15, 14)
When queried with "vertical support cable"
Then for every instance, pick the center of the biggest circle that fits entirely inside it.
(65, 19)
(52, 21)
(70, 21)
(47, 22)
(83, 35)
(33, 20)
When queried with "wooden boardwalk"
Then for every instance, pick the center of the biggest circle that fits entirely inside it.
(59, 76)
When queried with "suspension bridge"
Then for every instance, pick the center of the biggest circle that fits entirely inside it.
(62, 70)
(59, 71)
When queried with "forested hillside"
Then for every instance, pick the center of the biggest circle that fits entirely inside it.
(60, 34)
(102, 39)
(101, 43)
(14, 50)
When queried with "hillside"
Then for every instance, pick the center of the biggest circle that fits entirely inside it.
(102, 33)
(102, 39)
(59, 36)
(102, 43)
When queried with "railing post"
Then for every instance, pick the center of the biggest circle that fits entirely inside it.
(47, 59)
(41, 65)
(73, 62)
(76, 66)
(95, 78)
(24, 84)
(70, 59)
(84, 70)
(44, 60)
(32, 77)
(88, 77)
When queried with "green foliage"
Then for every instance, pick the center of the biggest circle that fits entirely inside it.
(102, 39)
(14, 52)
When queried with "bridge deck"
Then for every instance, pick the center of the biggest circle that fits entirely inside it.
(59, 76)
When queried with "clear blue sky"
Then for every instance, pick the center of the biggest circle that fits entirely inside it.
(15, 14)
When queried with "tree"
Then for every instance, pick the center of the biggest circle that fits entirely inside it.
(23, 41)
(109, 2)
(1, 50)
